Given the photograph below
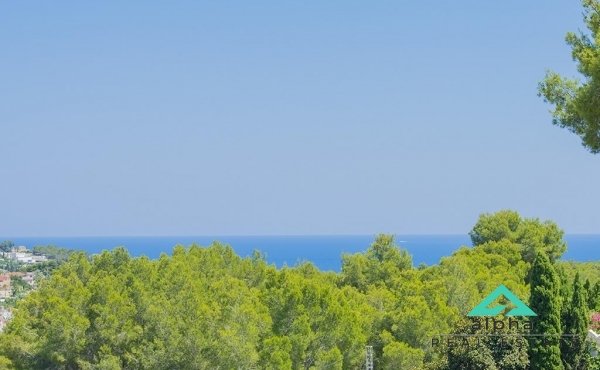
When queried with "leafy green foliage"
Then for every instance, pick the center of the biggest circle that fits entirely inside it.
(590, 361)
(6, 246)
(378, 265)
(208, 308)
(545, 301)
(398, 355)
(531, 235)
(201, 308)
(54, 253)
(594, 297)
(10, 265)
(19, 286)
(577, 103)
(587, 270)
(576, 322)
(45, 268)
(489, 352)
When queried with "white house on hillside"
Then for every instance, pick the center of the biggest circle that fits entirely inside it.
(21, 257)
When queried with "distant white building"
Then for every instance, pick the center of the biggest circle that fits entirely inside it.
(21, 257)
(39, 258)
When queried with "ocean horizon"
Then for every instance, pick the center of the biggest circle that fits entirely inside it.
(324, 251)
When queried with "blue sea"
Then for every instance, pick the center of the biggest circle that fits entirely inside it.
(324, 251)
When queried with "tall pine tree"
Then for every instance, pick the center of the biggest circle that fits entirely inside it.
(595, 297)
(576, 323)
(545, 301)
(587, 286)
(566, 294)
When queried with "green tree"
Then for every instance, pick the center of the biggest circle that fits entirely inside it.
(331, 359)
(18, 285)
(577, 103)
(10, 265)
(546, 303)
(117, 312)
(316, 316)
(491, 352)
(400, 356)
(379, 265)
(590, 360)
(275, 354)
(576, 323)
(509, 353)
(595, 297)
(55, 253)
(487, 266)
(462, 355)
(532, 235)
(6, 246)
(206, 307)
(45, 268)
(587, 288)
(566, 293)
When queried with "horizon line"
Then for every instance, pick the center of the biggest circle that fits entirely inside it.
(250, 235)
(226, 235)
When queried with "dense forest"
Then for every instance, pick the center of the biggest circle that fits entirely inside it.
(208, 308)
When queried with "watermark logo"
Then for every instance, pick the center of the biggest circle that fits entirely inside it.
(481, 330)
(482, 309)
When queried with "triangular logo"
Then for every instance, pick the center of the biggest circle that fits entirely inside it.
(482, 308)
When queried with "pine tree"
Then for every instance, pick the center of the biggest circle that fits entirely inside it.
(545, 301)
(595, 297)
(587, 286)
(491, 353)
(469, 357)
(566, 294)
(576, 322)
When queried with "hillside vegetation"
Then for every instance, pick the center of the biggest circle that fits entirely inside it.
(208, 308)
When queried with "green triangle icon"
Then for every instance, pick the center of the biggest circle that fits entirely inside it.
(482, 308)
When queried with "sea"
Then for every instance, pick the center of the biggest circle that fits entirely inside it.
(324, 251)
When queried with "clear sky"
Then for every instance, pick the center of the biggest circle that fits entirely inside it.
(285, 117)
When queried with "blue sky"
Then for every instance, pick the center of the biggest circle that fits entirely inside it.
(313, 117)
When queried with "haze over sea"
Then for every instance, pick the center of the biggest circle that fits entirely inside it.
(323, 250)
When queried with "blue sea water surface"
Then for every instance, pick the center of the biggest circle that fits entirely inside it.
(324, 251)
